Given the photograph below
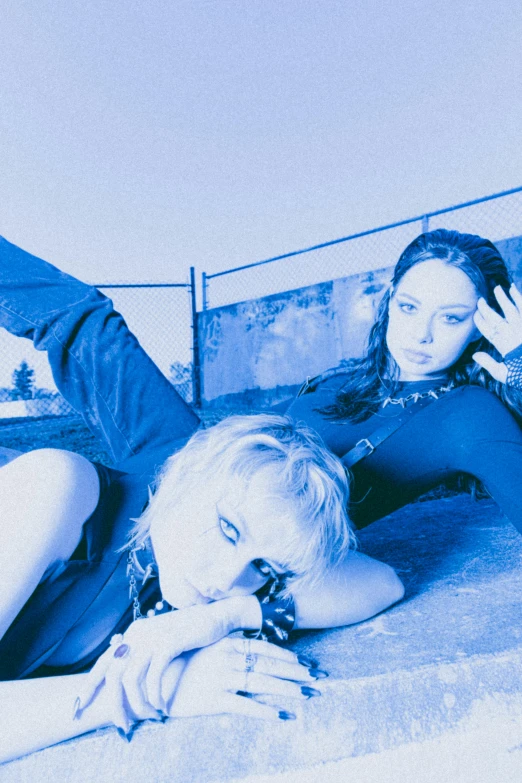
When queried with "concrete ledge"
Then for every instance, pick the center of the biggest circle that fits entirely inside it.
(485, 748)
(432, 687)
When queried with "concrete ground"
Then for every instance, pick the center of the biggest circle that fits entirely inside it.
(428, 692)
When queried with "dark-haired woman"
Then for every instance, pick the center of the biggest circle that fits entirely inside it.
(448, 329)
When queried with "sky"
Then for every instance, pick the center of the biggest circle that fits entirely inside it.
(138, 139)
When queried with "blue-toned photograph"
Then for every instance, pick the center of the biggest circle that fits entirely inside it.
(261, 392)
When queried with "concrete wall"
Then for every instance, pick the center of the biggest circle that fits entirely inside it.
(258, 352)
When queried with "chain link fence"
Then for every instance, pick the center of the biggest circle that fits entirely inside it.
(160, 315)
(496, 217)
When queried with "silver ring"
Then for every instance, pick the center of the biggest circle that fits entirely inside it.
(250, 657)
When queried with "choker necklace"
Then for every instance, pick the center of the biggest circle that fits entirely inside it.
(134, 569)
(403, 401)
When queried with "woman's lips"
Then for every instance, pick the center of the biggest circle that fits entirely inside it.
(417, 357)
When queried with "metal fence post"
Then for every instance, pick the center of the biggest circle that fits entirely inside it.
(196, 365)
(204, 286)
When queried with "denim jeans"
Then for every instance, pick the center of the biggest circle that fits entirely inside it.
(97, 363)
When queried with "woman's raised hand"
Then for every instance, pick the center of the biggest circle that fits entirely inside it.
(131, 670)
(505, 333)
(237, 675)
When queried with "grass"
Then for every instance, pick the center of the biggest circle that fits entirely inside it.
(57, 432)
(63, 432)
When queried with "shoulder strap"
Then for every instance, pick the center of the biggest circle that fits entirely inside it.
(365, 447)
(312, 382)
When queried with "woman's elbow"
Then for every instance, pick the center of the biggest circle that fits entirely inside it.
(392, 588)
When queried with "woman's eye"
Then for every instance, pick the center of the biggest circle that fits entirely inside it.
(263, 567)
(229, 531)
(452, 319)
(406, 307)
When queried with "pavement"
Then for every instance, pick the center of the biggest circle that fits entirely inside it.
(427, 692)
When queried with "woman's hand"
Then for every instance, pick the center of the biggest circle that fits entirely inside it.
(131, 670)
(243, 676)
(505, 333)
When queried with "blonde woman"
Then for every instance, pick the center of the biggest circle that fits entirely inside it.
(239, 527)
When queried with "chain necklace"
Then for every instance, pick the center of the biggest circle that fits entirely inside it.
(403, 401)
(133, 565)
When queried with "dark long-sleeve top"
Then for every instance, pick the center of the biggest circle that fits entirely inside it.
(466, 431)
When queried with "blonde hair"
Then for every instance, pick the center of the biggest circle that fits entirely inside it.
(307, 476)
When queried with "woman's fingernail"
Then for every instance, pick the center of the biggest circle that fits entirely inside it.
(318, 674)
(284, 715)
(245, 694)
(125, 735)
(122, 651)
(161, 715)
(77, 708)
(309, 692)
(310, 663)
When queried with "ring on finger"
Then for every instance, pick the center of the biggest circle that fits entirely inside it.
(250, 657)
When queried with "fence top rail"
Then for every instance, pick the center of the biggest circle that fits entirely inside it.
(366, 233)
(141, 285)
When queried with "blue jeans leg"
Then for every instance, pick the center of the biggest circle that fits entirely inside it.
(97, 363)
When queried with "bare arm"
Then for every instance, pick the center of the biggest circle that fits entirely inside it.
(356, 590)
(45, 497)
(38, 713)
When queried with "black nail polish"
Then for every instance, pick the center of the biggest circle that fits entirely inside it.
(309, 692)
(318, 674)
(310, 663)
(127, 736)
(284, 715)
(245, 694)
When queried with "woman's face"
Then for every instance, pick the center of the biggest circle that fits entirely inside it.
(226, 539)
(431, 319)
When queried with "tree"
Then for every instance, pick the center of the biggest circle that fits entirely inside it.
(23, 382)
(180, 373)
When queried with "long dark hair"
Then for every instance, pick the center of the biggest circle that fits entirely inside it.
(375, 376)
